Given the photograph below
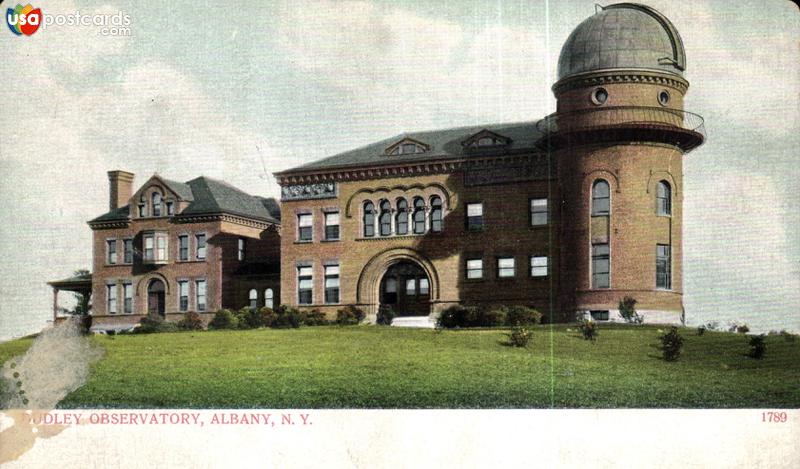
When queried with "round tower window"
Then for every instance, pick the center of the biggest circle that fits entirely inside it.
(663, 97)
(599, 96)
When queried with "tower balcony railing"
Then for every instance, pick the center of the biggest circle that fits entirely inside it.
(683, 128)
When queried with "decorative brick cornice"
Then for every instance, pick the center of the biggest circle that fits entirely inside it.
(110, 224)
(620, 76)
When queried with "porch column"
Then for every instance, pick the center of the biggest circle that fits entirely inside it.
(55, 304)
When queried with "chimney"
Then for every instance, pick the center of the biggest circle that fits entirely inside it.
(120, 185)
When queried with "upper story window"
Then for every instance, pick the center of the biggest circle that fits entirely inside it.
(485, 139)
(538, 266)
(385, 220)
(111, 248)
(127, 251)
(401, 219)
(332, 226)
(200, 243)
(663, 199)
(601, 198)
(407, 147)
(419, 215)
(369, 219)
(505, 267)
(142, 210)
(155, 247)
(305, 227)
(241, 248)
(170, 208)
(436, 213)
(474, 268)
(183, 247)
(538, 212)
(475, 216)
(156, 204)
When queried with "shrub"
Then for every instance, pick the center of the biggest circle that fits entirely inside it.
(286, 316)
(757, 346)
(85, 323)
(522, 316)
(154, 323)
(519, 336)
(267, 316)
(191, 322)
(588, 329)
(314, 317)
(701, 330)
(452, 317)
(671, 344)
(249, 318)
(350, 315)
(224, 319)
(385, 315)
(742, 329)
(489, 318)
(627, 309)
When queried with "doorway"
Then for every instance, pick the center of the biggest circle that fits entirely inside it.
(156, 298)
(405, 288)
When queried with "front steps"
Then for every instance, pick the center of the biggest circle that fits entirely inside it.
(425, 322)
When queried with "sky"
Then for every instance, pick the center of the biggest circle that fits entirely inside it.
(240, 92)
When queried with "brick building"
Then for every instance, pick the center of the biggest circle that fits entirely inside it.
(567, 214)
(173, 247)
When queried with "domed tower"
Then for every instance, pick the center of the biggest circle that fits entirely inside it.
(618, 139)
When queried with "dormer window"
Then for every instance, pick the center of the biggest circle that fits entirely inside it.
(407, 147)
(156, 204)
(170, 208)
(486, 139)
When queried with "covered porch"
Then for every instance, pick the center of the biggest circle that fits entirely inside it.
(81, 284)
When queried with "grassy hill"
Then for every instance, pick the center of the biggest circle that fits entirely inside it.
(381, 367)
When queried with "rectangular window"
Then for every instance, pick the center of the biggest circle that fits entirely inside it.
(127, 249)
(305, 285)
(183, 247)
(424, 287)
(142, 210)
(200, 243)
(663, 267)
(149, 248)
(200, 294)
(111, 299)
(599, 315)
(505, 267)
(475, 216)
(183, 295)
(411, 286)
(170, 208)
(112, 251)
(161, 248)
(601, 266)
(538, 266)
(474, 268)
(331, 284)
(332, 226)
(127, 294)
(305, 227)
(240, 253)
(538, 212)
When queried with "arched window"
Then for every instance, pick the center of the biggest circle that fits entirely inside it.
(269, 298)
(663, 198)
(401, 222)
(156, 204)
(386, 218)
(369, 219)
(436, 213)
(253, 296)
(419, 215)
(601, 198)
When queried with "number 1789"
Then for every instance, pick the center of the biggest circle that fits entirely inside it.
(778, 417)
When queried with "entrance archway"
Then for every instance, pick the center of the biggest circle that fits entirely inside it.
(406, 288)
(156, 302)
(370, 282)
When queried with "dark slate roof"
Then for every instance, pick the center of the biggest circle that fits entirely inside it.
(208, 196)
(443, 144)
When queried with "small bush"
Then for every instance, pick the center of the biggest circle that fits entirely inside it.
(671, 344)
(588, 329)
(314, 317)
(349, 316)
(757, 346)
(701, 330)
(287, 317)
(490, 318)
(191, 322)
(522, 316)
(224, 319)
(267, 316)
(385, 315)
(154, 323)
(85, 323)
(627, 309)
(742, 329)
(519, 336)
(452, 317)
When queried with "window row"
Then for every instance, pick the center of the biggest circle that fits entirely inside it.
(506, 267)
(158, 206)
(305, 226)
(155, 248)
(114, 292)
(601, 266)
(601, 198)
(305, 284)
(403, 218)
(269, 298)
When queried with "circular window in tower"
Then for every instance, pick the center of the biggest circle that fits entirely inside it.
(599, 96)
(663, 97)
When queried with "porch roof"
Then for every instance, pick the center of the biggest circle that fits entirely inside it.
(77, 283)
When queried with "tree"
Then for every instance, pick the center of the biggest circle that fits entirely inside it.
(627, 309)
(84, 299)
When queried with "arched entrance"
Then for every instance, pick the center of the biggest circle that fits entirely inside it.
(406, 288)
(156, 303)
(368, 292)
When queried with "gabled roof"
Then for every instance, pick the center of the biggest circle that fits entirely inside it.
(443, 144)
(210, 196)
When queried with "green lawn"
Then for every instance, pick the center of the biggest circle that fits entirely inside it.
(381, 367)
